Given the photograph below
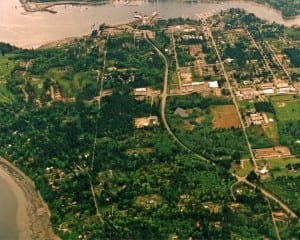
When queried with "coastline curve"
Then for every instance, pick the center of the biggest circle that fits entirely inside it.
(33, 215)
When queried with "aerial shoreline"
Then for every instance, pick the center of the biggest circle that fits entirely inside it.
(44, 6)
(33, 215)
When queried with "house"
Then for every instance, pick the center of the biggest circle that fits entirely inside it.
(263, 171)
(146, 122)
(140, 93)
(213, 84)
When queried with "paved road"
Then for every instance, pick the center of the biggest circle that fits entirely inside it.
(176, 61)
(278, 61)
(163, 115)
(262, 53)
(268, 195)
(164, 96)
(232, 96)
(274, 221)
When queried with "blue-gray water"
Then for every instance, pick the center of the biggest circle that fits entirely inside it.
(33, 29)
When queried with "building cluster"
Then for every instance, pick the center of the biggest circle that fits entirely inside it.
(257, 118)
(145, 92)
(265, 89)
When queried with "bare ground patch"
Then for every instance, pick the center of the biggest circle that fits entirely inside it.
(281, 104)
(225, 116)
(273, 152)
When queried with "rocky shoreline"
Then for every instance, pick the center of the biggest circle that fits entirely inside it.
(35, 219)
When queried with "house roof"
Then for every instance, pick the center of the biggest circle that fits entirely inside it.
(213, 84)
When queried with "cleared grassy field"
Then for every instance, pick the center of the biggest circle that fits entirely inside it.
(245, 103)
(242, 169)
(225, 116)
(287, 107)
(70, 83)
(6, 66)
(271, 132)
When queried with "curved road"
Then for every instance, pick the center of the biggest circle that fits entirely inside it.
(163, 116)
(164, 96)
(268, 195)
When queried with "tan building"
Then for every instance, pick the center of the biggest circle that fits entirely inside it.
(146, 122)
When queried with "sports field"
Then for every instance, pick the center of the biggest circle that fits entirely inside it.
(287, 108)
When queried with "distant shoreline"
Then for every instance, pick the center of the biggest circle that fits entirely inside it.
(44, 6)
(33, 215)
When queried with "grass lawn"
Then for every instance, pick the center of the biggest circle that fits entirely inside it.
(83, 78)
(5, 95)
(174, 81)
(244, 104)
(6, 66)
(271, 132)
(54, 74)
(287, 108)
(242, 169)
(278, 166)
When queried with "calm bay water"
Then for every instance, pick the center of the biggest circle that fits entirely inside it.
(33, 29)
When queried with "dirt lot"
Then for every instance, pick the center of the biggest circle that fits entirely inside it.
(278, 151)
(225, 116)
(195, 49)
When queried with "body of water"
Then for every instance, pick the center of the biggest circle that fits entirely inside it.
(8, 211)
(34, 29)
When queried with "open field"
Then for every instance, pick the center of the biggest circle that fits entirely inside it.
(287, 108)
(279, 166)
(6, 66)
(70, 83)
(225, 116)
(271, 132)
(258, 137)
(245, 104)
(242, 169)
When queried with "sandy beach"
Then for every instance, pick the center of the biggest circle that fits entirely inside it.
(32, 215)
(22, 218)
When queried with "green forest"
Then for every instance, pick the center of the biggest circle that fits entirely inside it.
(102, 176)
